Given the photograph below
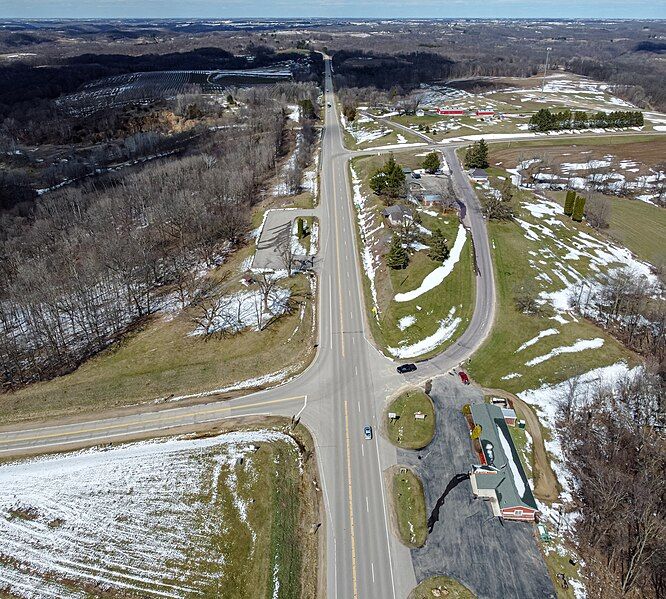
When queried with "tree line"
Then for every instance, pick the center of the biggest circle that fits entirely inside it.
(545, 120)
(88, 262)
(615, 448)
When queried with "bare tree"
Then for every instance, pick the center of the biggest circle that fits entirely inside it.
(598, 211)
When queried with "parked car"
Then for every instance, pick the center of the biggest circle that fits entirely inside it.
(367, 432)
(404, 368)
(463, 377)
(416, 175)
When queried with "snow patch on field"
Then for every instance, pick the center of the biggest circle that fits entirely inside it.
(534, 340)
(365, 217)
(447, 327)
(245, 309)
(128, 520)
(406, 321)
(578, 346)
(437, 276)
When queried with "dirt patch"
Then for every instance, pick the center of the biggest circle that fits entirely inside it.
(546, 487)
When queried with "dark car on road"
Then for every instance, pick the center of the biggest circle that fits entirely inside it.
(404, 368)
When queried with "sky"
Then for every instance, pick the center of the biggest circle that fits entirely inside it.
(77, 9)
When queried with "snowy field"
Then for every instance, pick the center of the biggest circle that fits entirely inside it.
(131, 521)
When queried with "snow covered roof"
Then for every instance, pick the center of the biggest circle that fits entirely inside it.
(506, 476)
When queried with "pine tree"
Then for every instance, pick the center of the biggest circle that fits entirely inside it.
(439, 250)
(476, 155)
(569, 202)
(388, 180)
(482, 154)
(397, 257)
(579, 209)
(431, 162)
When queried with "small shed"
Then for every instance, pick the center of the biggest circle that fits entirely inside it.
(509, 416)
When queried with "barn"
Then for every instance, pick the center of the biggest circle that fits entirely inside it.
(451, 111)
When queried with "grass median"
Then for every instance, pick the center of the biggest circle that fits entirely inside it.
(414, 425)
(409, 506)
(441, 586)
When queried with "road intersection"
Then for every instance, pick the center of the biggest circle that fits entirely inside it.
(344, 388)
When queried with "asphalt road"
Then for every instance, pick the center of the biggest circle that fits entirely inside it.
(344, 389)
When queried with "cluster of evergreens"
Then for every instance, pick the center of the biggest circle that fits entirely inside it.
(545, 120)
(574, 206)
(389, 180)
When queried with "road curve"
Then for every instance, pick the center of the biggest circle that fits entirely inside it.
(344, 389)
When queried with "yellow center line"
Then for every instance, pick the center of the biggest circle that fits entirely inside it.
(351, 507)
(161, 419)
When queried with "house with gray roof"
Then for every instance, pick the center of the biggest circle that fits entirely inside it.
(397, 214)
(500, 478)
(478, 174)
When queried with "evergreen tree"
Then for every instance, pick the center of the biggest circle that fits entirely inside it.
(579, 209)
(431, 162)
(350, 112)
(482, 154)
(439, 250)
(307, 109)
(388, 180)
(476, 155)
(397, 257)
(569, 202)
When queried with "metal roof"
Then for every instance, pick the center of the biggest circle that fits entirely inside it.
(504, 472)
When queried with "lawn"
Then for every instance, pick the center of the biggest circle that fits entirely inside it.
(447, 587)
(537, 262)
(406, 431)
(399, 326)
(409, 506)
(160, 359)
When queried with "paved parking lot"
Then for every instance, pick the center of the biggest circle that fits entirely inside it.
(276, 230)
(494, 559)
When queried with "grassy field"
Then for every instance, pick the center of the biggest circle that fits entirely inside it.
(636, 225)
(160, 359)
(409, 506)
(447, 587)
(515, 266)
(406, 431)
(430, 309)
(228, 514)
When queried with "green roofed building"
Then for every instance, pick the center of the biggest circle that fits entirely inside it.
(500, 477)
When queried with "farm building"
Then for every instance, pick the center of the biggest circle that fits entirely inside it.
(397, 214)
(451, 111)
(500, 477)
(485, 113)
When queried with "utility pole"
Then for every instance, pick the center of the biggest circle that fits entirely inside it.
(545, 70)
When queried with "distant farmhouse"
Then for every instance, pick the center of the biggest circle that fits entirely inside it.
(500, 477)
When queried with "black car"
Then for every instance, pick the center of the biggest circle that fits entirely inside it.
(404, 368)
